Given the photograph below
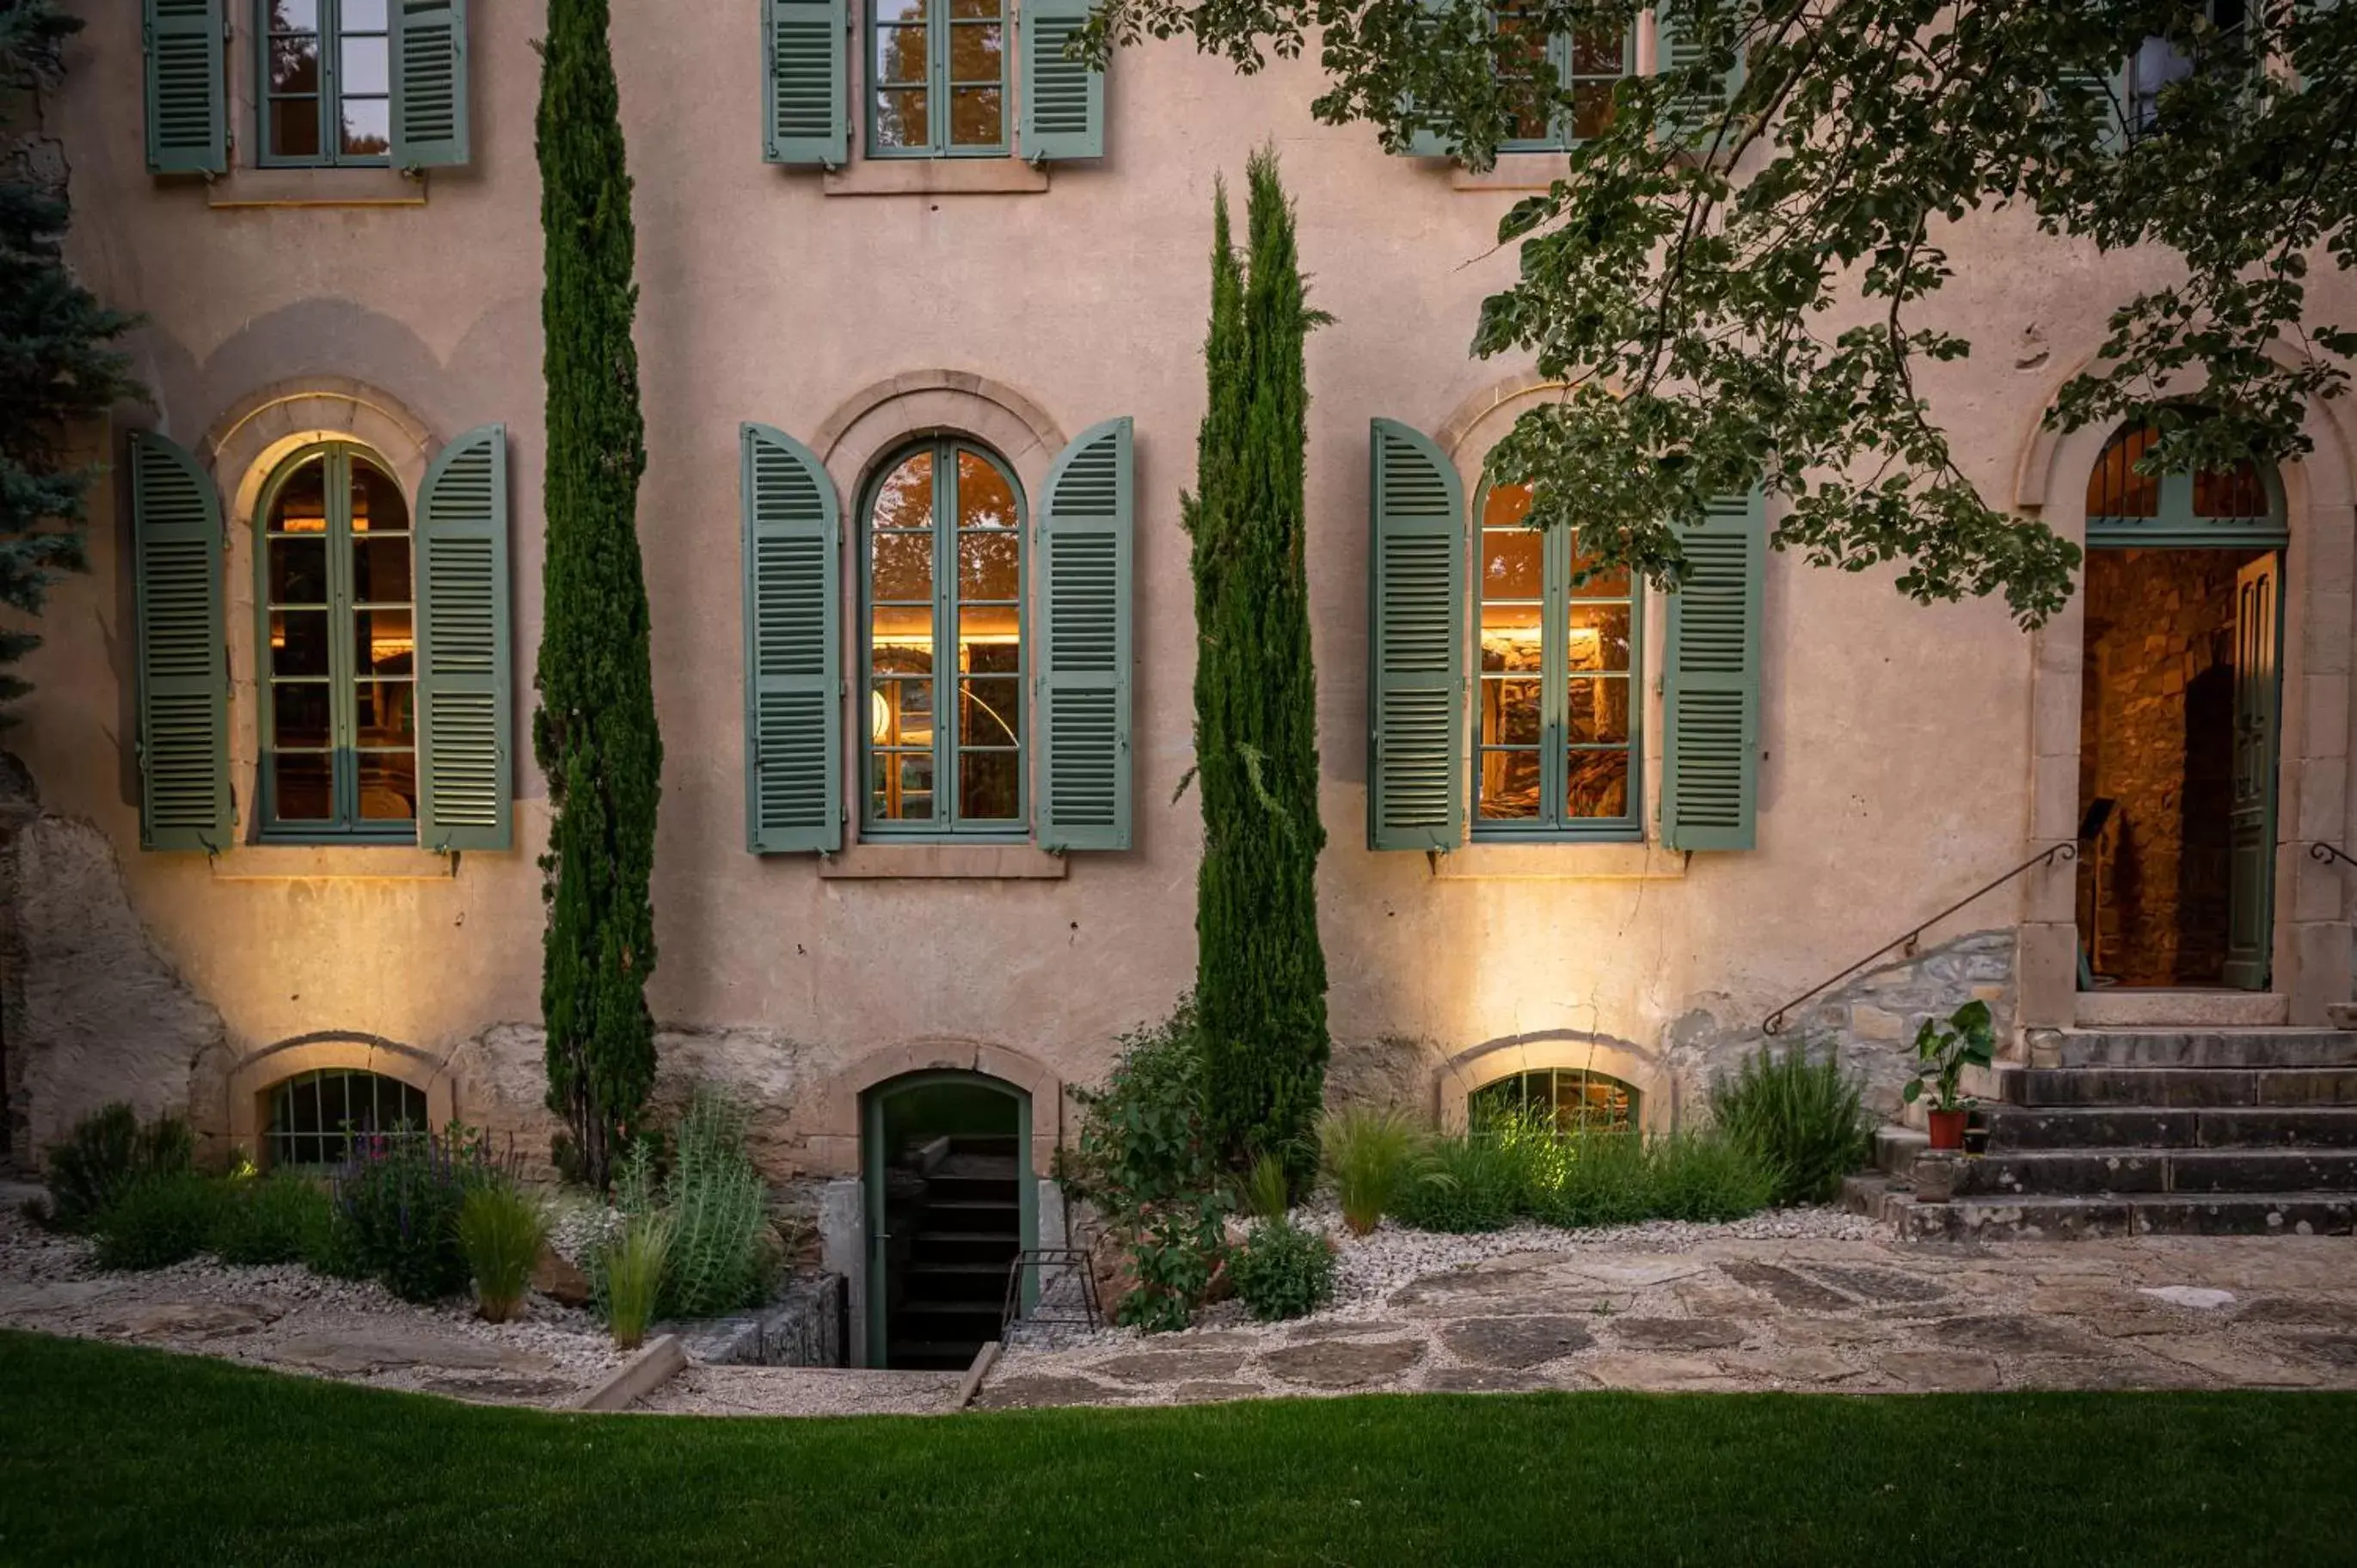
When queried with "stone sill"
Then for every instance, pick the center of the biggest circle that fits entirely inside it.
(936, 176)
(1512, 171)
(316, 187)
(940, 861)
(1560, 862)
(338, 863)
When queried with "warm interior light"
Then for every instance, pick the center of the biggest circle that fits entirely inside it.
(879, 717)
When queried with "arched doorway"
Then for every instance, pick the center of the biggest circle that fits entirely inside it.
(950, 1200)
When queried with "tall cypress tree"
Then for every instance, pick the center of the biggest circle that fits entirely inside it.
(1260, 977)
(595, 732)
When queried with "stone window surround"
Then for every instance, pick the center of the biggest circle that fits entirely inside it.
(1454, 1081)
(260, 1072)
(2313, 946)
(248, 184)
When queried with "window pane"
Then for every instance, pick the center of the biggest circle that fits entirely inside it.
(985, 498)
(2235, 493)
(1591, 109)
(903, 55)
(964, 9)
(893, 659)
(976, 117)
(381, 569)
(987, 785)
(1512, 564)
(901, 713)
(903, 568)
(1510, 713)
(294, 127)
(990, 712)
(1597, 784)
(988, 640)
(305, 782)
(294, 65)
(1597, 51)
(1611, 585)
(902, 789)
(1506, 506)
(296, 16)
(905, 498)
(298, 642)
(902, 118)
(1529, 75)
(989, 566)
(298, 712)
(900, 11)
(368, 127)
(1511, 637)
(384, 712)
(377, 504)
(2116, 488)
(1599, 710)
(1509, 784)
(302, 503)
(1599, 636)
(363, 16)
(384, 642)
(906, 633)
(388, 786)
(298, 571)
(367, 70)
(974, 56)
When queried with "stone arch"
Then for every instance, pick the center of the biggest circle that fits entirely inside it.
(877, 419)
(831, 1123)
(1476, 425)
(1641, 1068)
(259, 1071)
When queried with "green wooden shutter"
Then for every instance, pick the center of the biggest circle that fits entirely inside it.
(188, 94)
(465, 701)
(1710, 747)
(429, 83)
(806, 120)
(794, 647)
(1085, 551)
(2112, 90)
(1415, 643)
(175, 526)
(1064, 100)
(1691, 118)
(1429, 143)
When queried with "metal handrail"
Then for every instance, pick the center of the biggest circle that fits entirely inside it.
(2326, 853)
(2059, 854)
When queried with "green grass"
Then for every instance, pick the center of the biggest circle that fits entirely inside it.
(112, 1455)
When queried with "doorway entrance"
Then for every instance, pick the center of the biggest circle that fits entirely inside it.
(951, 1201)
(2178, 720)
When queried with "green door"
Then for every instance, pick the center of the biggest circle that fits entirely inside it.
(2250, 830)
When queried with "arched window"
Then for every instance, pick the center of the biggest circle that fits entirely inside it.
(1575, 1099)
(942, 543)
(2244, 503)
(1555, 708)
(313, 1116)
(339, 710)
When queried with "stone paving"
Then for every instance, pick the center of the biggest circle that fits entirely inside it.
(1729, 1313)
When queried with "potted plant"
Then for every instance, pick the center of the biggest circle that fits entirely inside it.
(1943, 1051)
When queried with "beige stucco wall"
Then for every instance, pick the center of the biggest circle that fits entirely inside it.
(1899, 740)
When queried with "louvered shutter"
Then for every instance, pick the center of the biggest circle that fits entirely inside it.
(1064, 100)
(806, 120)
(188, 95)
(1710, 748)
(793, 650)
(1429, 143)
(429, 83)
(2110, 91)
(1085, 551)
(1415, 643)
(465, 719)
(1691, 119)
(176, 524)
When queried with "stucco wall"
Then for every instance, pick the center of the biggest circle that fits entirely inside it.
(1898, 739)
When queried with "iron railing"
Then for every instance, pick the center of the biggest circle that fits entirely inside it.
(2060, 854)
(2326, 853)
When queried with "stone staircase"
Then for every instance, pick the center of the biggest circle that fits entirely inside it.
(2136, 1131)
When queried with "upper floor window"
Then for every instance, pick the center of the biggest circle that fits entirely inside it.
(2159, 62)
(937, 82)
(942, 546)
(1555, 741)
(1584, 65)
(339, 708)
(326, 82)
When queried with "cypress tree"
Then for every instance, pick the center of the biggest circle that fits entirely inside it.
(594, 734)
(58, 374)
(1260, 980)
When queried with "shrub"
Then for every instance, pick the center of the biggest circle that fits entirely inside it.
(1371, 1155)
(397, 1199)
(1606, 1179)
(1282, 1271)
(159, 1221)
(272, 1220)
(1800, 1119)
(500, 1232)
(633, 1277)
(106, 1154)
(720, 1247)
(1707, 1175)
(1467, 1184)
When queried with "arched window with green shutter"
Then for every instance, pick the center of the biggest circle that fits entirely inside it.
(183, 658)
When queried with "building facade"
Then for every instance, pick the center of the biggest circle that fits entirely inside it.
(920, 341)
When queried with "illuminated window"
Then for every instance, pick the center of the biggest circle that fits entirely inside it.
(1585, 65)
(937, 79)
(339, 650)
(1574, 1099)
(326, 82)
(314, 1117)
(1556, 711)
(2126, 507)
(942, 545)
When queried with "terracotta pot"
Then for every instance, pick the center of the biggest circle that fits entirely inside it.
(1948, 1129)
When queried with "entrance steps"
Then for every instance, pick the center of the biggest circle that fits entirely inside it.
(2124, 1132)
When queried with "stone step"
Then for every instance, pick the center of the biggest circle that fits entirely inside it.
(2182, 1214)
(2050, 1171)
(1895, 1148)
(2013, 1127)
(1874, 1193)
(2176, 1088)
(2252, 1048)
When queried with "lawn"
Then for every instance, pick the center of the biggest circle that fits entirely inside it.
(112, 1455)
